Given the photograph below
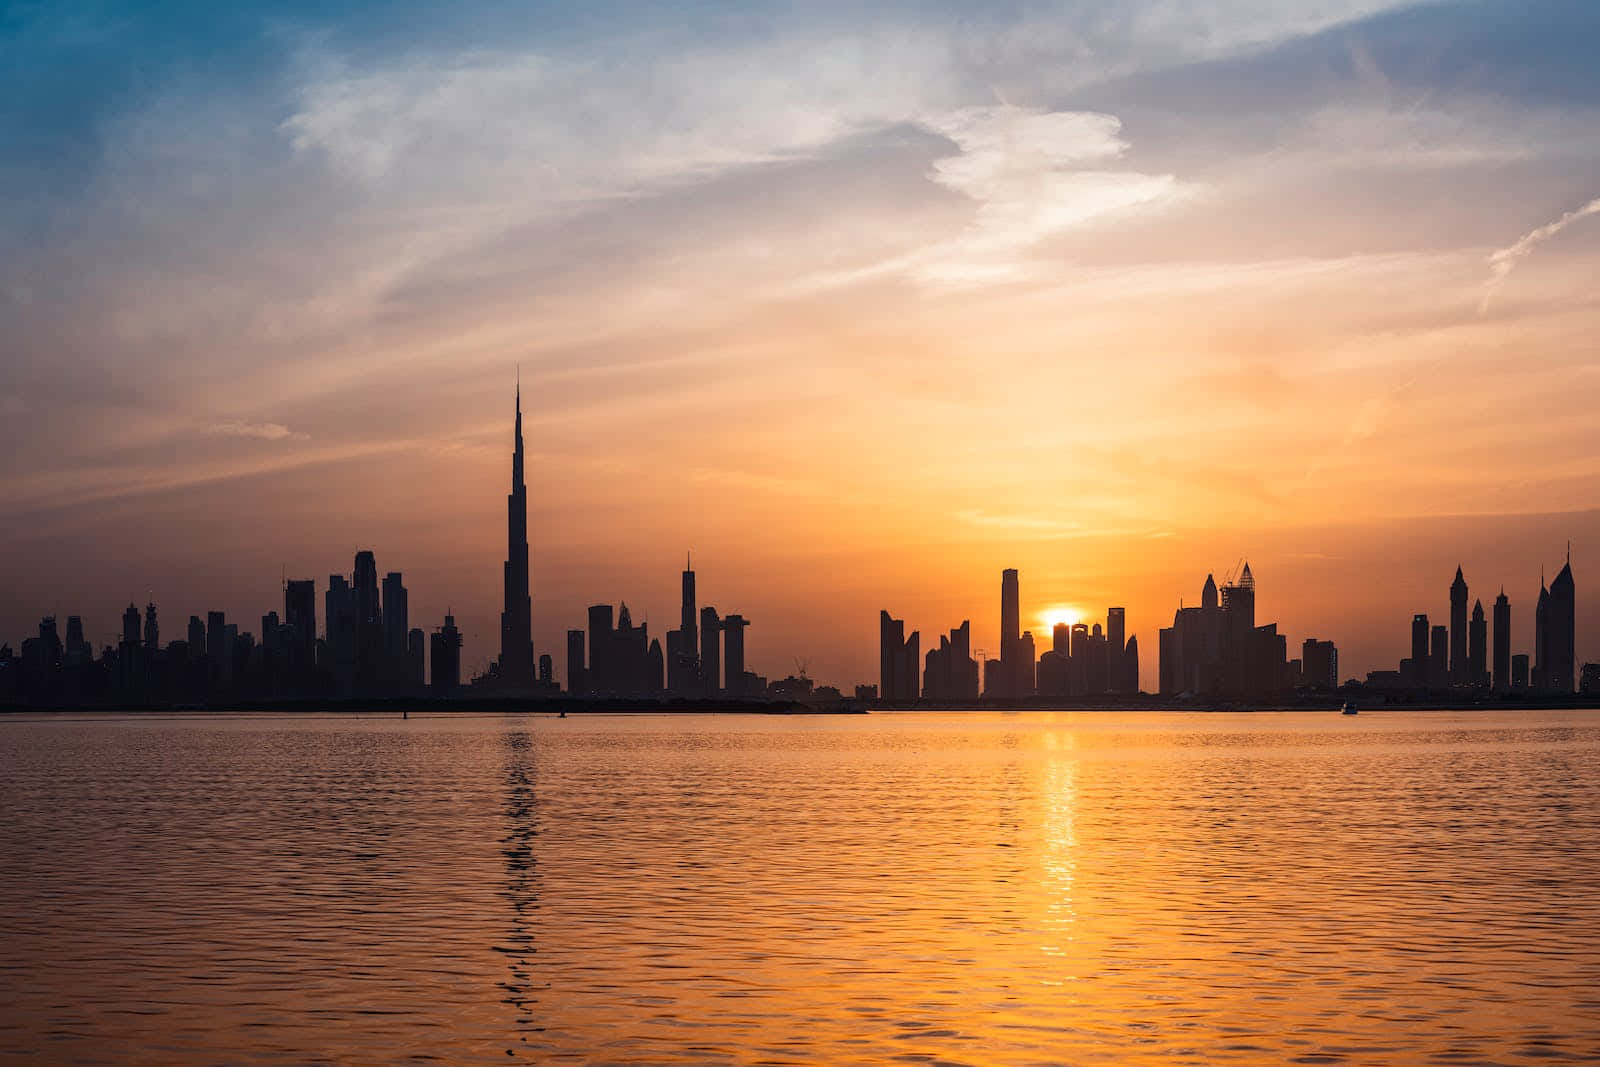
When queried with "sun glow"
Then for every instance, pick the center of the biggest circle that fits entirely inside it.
(1066, 613)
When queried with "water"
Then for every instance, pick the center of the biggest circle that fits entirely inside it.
(1067, 888)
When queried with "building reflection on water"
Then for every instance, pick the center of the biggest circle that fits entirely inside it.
(521, 889)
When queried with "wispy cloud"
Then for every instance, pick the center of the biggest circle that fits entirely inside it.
(1504, 260)
(265, 431)
(1034, 174)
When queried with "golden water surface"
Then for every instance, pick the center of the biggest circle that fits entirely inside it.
(955, 888)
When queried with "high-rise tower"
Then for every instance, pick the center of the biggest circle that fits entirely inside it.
(689, 619)
(516, 621)
(1562, 631)
(1477, 671)
(1502, 642)
(1458, 631)
(1011, 654)
(1541, 637)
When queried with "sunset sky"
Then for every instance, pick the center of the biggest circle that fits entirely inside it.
(859, 307)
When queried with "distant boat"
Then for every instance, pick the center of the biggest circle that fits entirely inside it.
(1349, 708)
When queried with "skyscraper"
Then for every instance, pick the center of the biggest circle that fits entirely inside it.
(1459, 674)
(1540, 678)
(601, 630)
(396, 620)
(77, 645)
(1561, 628)
(1439, 656)
(576, 674)
(152, 629)
(1502, 642)
(300, 613)
(339, 622)
(1023, 682)
(898, 659)
(1116, 640)
(1319, 663)
(1010, 634)
(687, 620)
(516, 621)
(683, 644)
(1477, 648)
(952, 673)
(369, 622)
(1420, 663)
(445, 651)
(733, 654)
(711, 650)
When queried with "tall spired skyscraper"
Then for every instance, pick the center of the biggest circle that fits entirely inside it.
(516, 621)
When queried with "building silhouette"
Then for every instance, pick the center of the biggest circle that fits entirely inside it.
(1023, 682)
(1561, 632)
(711, 650)
(898, 660)
(577, 673)
(1319, 664)
(599, 673)
(516, 665)
(369, 622)
(1502, 642)
(1459, 673)
(1477, 670)
(1420, 664)
(1217, 648)
(1519, 671)
(740, 682)
(445, 654)
(1011, 656)
(1540, 677)
(684, 677)
(396, 627)
(300, 620)
(1439, 656)
(950, 672)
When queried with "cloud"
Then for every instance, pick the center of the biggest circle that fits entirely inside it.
(265, 431)
(1034, 174)
(1504, 260)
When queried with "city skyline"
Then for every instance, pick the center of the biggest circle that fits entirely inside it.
(1109, 298)
(1217, 647)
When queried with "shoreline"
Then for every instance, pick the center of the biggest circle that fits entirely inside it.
(557, 706)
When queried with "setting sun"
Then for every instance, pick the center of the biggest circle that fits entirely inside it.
(1052, 617)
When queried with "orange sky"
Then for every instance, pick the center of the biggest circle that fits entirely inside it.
(860, 309)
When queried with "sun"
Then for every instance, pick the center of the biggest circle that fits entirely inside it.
(1061, 613)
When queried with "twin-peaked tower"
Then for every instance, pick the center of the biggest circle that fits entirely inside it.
(516, 621)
